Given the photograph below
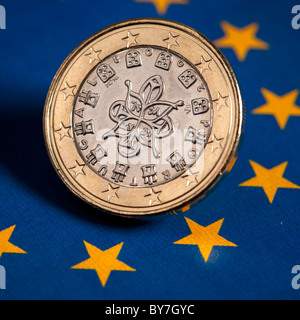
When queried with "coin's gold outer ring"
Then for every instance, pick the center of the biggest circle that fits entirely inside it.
(228, 122)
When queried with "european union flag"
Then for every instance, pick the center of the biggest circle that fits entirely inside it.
(240, 242)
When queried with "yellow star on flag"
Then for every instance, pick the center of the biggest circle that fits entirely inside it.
(241, 40)
(281, 107)
(269, 179)
(183, 209)
(163, 5)
(5, 245)
(205, 237)
(103, 262)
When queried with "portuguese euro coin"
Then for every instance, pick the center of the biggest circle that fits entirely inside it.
(143, 117)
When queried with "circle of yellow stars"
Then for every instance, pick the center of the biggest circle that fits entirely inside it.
(241, 41)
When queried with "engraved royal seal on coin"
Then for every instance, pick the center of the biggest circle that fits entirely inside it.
(143, 117)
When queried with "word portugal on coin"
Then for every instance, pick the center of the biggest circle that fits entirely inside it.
(143, 117)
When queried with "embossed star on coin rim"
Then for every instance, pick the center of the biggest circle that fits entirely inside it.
(172, 40)
(131, 39)
(77, 169)
(111, 192)
(190, 177)
(215, 143)
(153, 196)
(63, 131)
(93, 55)
(68, 90)
(204, 64)
(221, 101)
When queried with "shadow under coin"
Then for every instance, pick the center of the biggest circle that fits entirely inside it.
(27, 159)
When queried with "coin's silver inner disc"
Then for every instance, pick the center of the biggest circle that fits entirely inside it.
(142, 116)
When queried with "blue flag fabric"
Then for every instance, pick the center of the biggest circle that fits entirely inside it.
(245, 241)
